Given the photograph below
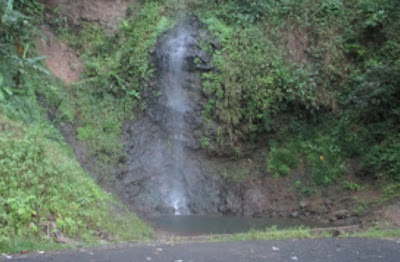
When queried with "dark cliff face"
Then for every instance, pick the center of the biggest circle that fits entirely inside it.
(163, 146)
(163, 165)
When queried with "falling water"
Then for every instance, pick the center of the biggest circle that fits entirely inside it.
(177, 100)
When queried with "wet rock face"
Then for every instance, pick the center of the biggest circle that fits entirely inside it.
(165, 172)
(149, 176)
(195, 61)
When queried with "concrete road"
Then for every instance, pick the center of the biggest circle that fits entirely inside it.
(309, 250)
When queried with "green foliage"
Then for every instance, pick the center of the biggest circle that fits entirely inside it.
(391, 191)
(17, 30)
(86, 133)
(378, 232)
(322, 148)
(326, 162)
(347, 74)
(204, 142)
(383, 159)
(301, 190)
(320, 75)
(99, 127)
(140, 35)
(351, 186)
(253, 84)
(117, 71)
(246, 11)
(374, 14)
(307, 191)
(4, 90)
(120, 64)
(273, 233)
(281, 161)
(17, 245)
(40, 177)
(18, 19)
(238, 172)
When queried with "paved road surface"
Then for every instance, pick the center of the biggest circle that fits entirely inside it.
(324, 250)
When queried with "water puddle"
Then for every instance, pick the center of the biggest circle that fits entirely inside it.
(204, 225)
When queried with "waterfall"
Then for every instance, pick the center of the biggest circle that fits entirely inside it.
(177, 106)
(166, 171)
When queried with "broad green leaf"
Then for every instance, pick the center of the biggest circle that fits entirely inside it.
(134, 93)
(36, 59)
(26, 50)
(10, 4)
(2, 95)
(8, 91)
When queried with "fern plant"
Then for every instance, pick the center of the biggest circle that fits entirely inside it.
(4, 90)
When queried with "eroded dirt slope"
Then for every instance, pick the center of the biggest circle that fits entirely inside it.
(61, 60)
(106, 12)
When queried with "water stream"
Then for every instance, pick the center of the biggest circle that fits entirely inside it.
(177, 100)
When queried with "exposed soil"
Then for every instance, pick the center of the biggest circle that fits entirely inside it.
(385, 216)
(391, 214)
(298, 44)
(105, 12)
(62, 61)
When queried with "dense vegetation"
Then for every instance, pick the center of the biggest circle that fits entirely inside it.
(40, 178)
(320, 77)
(117, 72)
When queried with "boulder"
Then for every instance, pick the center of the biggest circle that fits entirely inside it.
(294, 214)
(341, 214)
(303, 204)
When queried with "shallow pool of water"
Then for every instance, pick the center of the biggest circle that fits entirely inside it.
(199, 225)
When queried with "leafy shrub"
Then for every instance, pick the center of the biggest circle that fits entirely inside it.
(18, 19)
(86, 133)
(281, 161)
(351, 186)
(383, 159)
(141, 34)
(325, 159)
(40, 178)
(391, 191)
(4, 90)
(204, 142)
(246, 11)
(253, 83)
(307, 191)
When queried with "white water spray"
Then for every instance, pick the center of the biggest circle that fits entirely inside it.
(173, 69)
